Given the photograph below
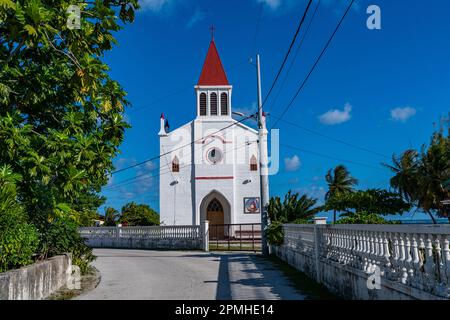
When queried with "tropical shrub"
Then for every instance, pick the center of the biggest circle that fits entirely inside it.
(18, 239)
(362, 218)
(293, 209)
(367, 206)
(138, 215)
(62, 236)
(275, 233)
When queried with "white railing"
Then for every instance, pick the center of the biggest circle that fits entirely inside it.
(150, 232)
(413, 255)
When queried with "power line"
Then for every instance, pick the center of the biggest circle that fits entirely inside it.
(175, 93)
(295, 56)
(352, 145)
(315, 64)
(146, 176)
(287, 53)
(330, 157)
(183, 146)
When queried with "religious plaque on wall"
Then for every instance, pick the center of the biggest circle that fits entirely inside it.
(251, 205)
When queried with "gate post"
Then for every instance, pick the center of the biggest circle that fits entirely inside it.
(205, 235)
(317, 239)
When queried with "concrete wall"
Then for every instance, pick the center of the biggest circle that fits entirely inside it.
(36, 281)
(130, 243)
(346, 282)
(369, 262)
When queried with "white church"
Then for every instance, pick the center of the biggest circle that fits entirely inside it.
(209, 167)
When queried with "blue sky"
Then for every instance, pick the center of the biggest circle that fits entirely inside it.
(377, 89)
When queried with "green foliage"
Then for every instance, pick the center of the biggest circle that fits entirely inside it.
(138, 215)
(362, 218)
(61, 236)
(18, 239)
(339, 181)
(61, 115)
(293, 208)
(111, 217)
(367, 206)
(420, 176)
(275, 233)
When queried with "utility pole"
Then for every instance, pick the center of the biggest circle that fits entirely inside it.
(263, 163)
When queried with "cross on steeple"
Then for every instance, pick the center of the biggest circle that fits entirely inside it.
(212, 28)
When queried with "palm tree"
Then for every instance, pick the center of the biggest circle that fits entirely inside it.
(418, 177)
(405, 168)
(339, 181)
(293, 209)
(111, 216)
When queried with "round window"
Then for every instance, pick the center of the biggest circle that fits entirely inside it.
(214, 155)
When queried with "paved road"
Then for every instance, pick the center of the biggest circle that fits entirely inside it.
(165, 275)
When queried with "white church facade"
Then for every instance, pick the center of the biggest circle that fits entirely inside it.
(209, 167)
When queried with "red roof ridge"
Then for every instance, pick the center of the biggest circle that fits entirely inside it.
(213, 73)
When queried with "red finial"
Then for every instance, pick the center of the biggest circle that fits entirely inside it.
(162, 115)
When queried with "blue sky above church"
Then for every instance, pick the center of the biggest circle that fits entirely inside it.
(380, 91)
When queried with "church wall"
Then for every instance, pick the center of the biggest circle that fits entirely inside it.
(175, 187)
(246, 182)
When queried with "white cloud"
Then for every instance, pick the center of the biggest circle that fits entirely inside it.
(312, 190)
(292, 164)
(153, 5)
(273, 4)
(402, 114)
(195, 18)
(248, 109)
(336, 116)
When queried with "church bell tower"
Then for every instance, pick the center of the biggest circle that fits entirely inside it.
(213, 90)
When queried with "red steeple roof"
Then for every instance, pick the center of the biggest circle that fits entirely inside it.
(213, 73)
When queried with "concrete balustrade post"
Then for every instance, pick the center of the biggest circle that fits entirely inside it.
(205, 234)
(317, 221)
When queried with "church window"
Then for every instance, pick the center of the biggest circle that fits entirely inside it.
(253, 164)
(214, 104)
(224, 104)
(214, 155)
(214, 205)
(203, 104)
(175, 165)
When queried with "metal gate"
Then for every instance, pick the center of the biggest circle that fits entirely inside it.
(235, 237)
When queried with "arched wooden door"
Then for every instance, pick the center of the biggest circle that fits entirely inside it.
(215, 216)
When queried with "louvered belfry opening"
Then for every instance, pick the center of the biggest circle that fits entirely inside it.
(224, 104)
(213, 104)
(253, 164)
(203, 104)
(175, 165)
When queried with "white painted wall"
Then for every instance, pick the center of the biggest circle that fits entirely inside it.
(180, 202)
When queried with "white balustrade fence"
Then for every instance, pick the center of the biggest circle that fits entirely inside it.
(411, 258)
(151, 237)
